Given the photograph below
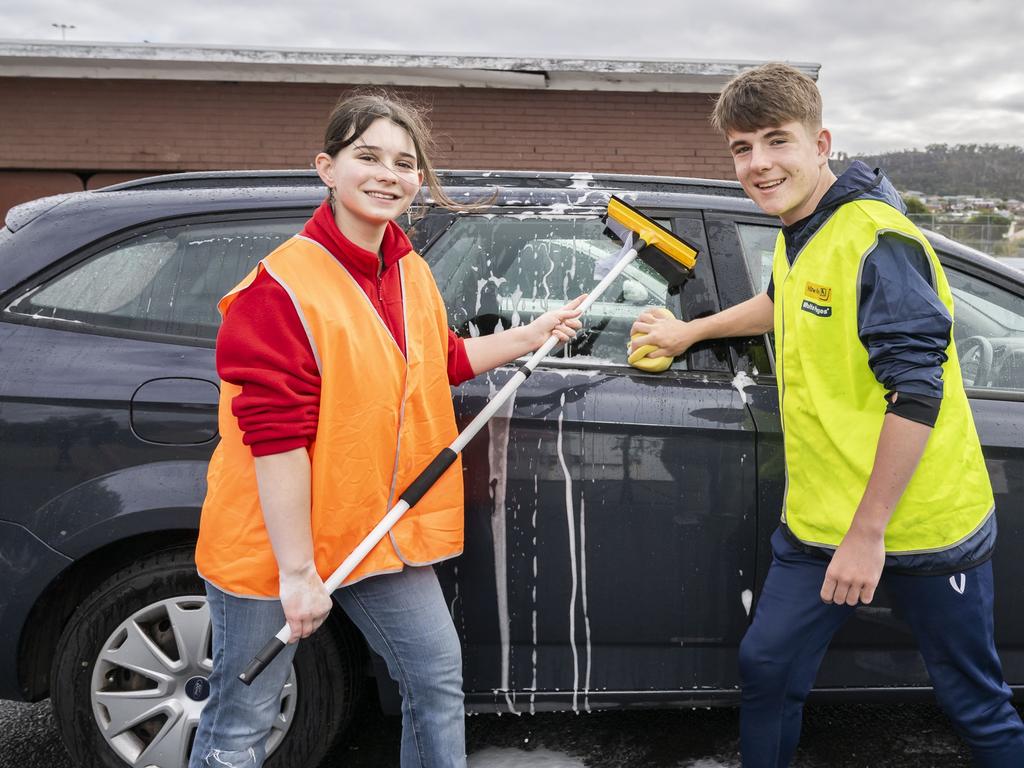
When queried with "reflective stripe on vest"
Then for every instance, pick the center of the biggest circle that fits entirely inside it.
(833, 407)
(383, 417)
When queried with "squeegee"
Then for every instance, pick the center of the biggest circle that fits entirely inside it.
(670, 255)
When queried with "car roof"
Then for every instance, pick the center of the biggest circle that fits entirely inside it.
(964, 256)
(78, 219)
(460, 178)
(149, 199)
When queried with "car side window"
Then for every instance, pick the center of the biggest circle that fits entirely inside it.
(758, 244)
(166, 281)
(498, 272)
(988, 329)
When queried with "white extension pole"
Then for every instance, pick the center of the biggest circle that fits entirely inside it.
(436, 468)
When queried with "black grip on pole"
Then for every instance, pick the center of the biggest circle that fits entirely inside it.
(259, 662)
(428, 476)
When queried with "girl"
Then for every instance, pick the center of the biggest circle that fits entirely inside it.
(336, 361)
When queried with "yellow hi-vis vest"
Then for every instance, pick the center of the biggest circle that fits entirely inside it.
(832, 405)
(383, 417)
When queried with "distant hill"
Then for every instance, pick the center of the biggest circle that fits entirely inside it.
(985, 170)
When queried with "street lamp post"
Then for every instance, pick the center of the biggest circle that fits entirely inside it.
(63, 29)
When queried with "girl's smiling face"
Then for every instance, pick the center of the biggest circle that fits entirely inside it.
(374, 180)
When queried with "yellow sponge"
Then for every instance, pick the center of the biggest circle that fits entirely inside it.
(639, 359)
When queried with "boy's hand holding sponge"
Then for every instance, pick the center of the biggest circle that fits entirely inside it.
(638, 358)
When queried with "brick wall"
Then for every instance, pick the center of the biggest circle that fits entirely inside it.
(150, 126)
(21, 186)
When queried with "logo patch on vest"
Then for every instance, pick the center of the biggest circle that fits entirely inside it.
(816, 309)
(820, 293)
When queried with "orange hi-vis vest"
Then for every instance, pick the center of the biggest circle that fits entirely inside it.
(383, 417)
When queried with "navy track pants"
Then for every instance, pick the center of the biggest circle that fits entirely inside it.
(950, 616)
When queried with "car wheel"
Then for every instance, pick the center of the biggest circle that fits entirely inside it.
(128, 679)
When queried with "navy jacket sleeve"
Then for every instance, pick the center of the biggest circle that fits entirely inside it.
(903, 324)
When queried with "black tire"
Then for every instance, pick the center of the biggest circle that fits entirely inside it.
(329, 666)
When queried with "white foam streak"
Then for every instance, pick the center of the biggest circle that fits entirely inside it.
(740, 382)
(497, 456)
(571, 523)
(746, 597)
(583, 584)
(533, 592)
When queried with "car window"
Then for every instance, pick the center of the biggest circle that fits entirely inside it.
(758, 243)
(988, 329)
(166, 281)
(499, 272)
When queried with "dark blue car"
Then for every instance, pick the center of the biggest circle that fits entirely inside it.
(617, 521)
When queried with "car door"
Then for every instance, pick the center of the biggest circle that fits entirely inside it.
(876, 648)
(860, 655)
(109, 395)
(741, 246)
(608, 543)
(988, 330)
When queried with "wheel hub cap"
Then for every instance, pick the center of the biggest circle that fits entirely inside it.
(150, 683)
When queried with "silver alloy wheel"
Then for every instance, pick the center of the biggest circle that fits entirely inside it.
(138, 691)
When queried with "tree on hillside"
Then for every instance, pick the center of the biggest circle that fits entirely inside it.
(989, 218)
(988, 170)
(914, 205)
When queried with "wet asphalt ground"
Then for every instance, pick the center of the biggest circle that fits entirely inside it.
(834, 736)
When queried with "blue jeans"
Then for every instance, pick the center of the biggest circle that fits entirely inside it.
(403, 617)
(951, 618)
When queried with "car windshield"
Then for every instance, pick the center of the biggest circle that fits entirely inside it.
(1011, 323)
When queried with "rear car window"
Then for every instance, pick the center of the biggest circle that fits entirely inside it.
(166, 281)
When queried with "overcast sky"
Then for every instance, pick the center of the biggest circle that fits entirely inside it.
(894, 75)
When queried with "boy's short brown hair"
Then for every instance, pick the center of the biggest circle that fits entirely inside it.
(767, 96)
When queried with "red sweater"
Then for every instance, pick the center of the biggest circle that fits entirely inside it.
(262, 346)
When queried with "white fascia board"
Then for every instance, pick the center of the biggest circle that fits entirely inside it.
(666, 83)
(123, 70)
(19, 58)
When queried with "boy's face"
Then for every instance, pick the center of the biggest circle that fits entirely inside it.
(784, 168)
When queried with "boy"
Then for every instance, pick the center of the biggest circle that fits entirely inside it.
(883, 464)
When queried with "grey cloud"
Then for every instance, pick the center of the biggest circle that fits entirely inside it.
(894, 75)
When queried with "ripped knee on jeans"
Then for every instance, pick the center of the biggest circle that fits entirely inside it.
(222, 758)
